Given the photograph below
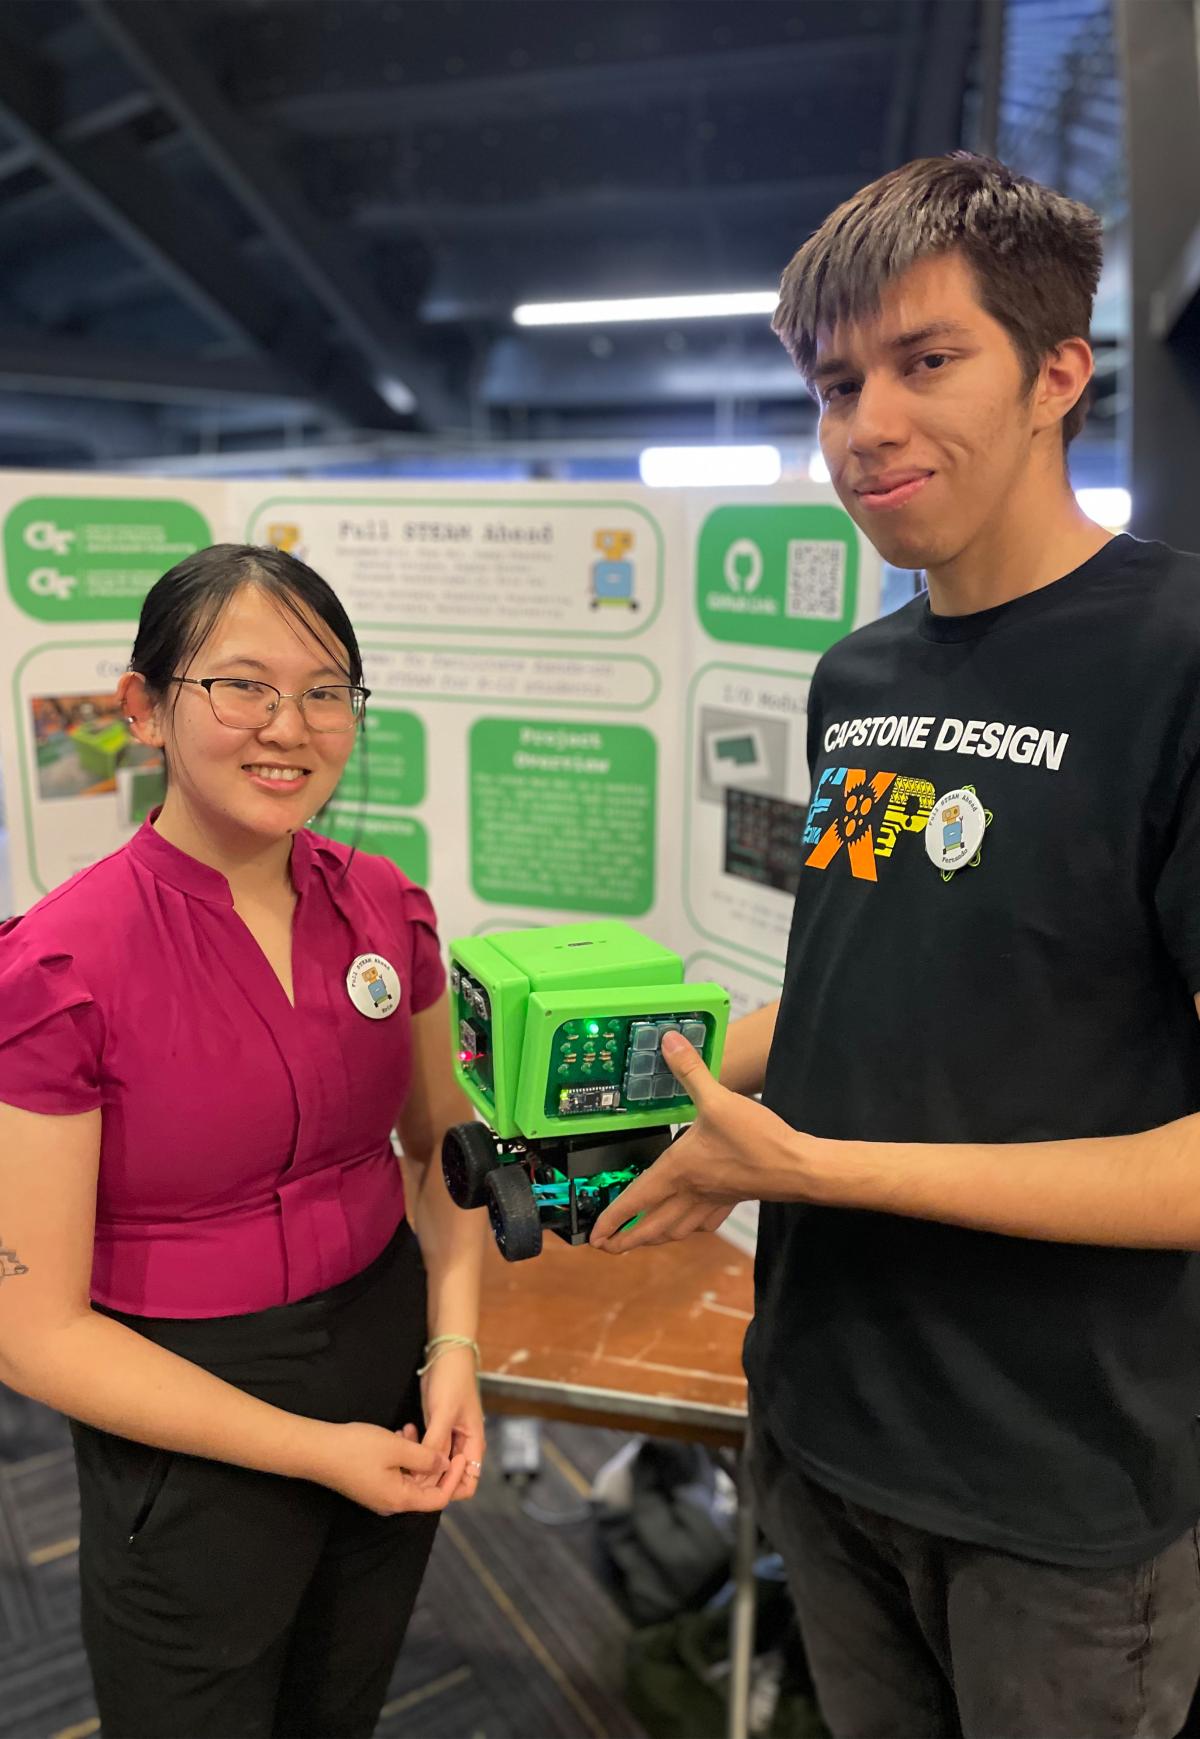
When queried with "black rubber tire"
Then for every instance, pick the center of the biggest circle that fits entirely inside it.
(468, 1156)
(513, 1211)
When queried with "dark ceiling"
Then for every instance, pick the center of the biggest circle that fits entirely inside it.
(231, 226)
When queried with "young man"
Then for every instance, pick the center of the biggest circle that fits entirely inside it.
(975, 1362)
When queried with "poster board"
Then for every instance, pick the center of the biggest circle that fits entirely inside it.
(79, 555)
(587, 700)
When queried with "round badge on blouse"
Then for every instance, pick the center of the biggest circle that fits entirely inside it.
(373, 985)
(955, 829)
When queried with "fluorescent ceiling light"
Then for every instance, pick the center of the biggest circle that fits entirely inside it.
(818, 470)
(646, 308)
(679, 467)
(1111, 508)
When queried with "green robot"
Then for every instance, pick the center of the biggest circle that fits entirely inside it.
(558, 1044)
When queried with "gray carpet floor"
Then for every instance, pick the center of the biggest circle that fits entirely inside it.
(515, 1635)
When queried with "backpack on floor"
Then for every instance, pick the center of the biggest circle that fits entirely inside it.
(677, 1674)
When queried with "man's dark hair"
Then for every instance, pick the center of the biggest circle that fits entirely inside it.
(1035, 256)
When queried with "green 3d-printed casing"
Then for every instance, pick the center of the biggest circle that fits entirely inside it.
(563, 1008)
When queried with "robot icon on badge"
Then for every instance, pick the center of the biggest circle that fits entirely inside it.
(373, 986)
(955, 830)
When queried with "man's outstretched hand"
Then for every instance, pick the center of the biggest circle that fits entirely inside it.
(736, 1150)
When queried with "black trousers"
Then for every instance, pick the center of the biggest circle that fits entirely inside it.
(910, 1635)
(220, 1603)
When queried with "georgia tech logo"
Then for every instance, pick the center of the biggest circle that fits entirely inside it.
(873, 814)
(44, 535)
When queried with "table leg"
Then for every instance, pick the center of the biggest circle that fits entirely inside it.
(742, 1613)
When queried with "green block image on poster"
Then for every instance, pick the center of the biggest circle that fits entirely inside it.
(784, 576)
(392, 769)
(399, 837)
(562, 815)
(92, 558)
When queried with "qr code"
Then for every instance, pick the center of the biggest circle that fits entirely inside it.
(816, 578)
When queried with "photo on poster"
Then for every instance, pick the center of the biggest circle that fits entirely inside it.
(745, 803)
(83, 747)
(83, 783)
(733, 758)
(741, 749)
(764, 839)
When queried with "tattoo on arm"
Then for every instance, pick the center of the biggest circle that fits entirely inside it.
(9, 1265)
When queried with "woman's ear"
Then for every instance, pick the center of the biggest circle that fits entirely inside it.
(141, 713)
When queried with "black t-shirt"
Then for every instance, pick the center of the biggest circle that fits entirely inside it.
(1038, 1397)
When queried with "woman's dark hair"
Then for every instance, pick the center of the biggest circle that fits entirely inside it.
(180, 610)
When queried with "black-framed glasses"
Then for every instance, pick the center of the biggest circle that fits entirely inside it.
(246, 705)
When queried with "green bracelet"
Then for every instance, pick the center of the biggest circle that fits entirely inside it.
(441, 1343)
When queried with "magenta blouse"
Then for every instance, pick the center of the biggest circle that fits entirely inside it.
(245, 1157)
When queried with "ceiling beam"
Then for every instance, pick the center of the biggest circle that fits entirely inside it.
(991, 77)
(122, 192)
(904, 88)
(937, 114)
(586, 207)
(464, 102)
(44, 362)
(528, 372)
(161, 54)
(623, 439)
(103, 432)
(89, 125)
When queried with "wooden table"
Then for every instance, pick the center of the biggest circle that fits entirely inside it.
(648, 1342)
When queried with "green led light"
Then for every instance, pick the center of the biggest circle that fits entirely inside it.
(593, 1026)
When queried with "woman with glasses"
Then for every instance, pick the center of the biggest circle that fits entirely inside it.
(260, 1323)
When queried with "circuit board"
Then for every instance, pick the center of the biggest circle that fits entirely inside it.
(615, 1063)
(473, 1010)
(763, 839)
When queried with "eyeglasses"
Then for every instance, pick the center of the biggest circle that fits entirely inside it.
(248, 706)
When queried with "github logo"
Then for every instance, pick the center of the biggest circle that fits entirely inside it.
(743, 565)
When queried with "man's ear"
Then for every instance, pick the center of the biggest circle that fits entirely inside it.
(1062, 381)
(140, 712)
